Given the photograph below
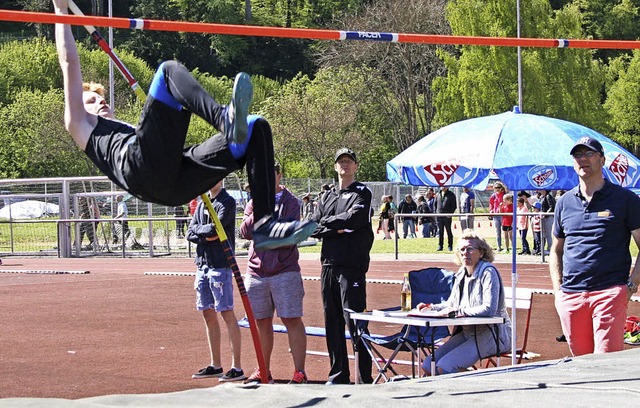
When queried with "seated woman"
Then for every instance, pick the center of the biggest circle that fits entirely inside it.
(477, 291)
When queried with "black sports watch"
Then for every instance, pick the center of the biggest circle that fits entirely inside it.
(633, 287)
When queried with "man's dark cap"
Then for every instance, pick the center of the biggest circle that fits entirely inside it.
(345, 151)
(591, 144)
(524, 193)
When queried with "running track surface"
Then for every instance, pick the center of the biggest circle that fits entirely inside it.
(118, 331)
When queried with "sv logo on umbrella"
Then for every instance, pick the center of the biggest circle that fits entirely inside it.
(620, 167)
(442, 172)
(542, 175)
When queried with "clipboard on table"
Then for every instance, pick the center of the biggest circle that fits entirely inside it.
(430, 313)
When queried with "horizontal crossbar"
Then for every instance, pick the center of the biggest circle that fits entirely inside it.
(307, 33)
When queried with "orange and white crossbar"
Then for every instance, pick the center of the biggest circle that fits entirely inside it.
(307, 33)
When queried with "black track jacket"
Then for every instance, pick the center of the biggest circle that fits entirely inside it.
(348, 209)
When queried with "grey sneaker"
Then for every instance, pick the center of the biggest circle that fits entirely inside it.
(233, 375)
(235, 126)
(273, 233)
(208, 372)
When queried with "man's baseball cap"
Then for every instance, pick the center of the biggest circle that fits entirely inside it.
(345, 151)
(591, 144)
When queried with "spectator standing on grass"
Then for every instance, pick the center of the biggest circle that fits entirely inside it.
(527, 197)
(445, 204)
(590, 264)
(178, 213)
(423, 208)
(548, 203)
(507, 220)
(214, 283)
(535, 228)
(522, 222)
(344, 225)
(123, 225)
(495, 202)
(468, 206)
(88, 209)
(383, 220)
(431, 203)
(307, 207)
(274, 284)
(393, 210)
(408, 206)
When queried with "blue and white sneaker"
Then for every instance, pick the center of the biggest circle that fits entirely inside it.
(271, 233)
(235, 125)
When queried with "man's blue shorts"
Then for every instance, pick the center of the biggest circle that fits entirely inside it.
(214, 288)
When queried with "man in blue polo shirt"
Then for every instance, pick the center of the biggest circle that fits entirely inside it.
(590, 262)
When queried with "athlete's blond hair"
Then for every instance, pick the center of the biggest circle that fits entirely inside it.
(93, 87)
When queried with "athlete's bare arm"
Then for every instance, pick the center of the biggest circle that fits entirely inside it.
(77, 120)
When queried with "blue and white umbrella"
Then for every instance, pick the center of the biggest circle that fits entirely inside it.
(525, 151)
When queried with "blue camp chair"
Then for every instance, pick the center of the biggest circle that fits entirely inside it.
(430, 285)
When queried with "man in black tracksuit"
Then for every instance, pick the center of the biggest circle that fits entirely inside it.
(445, 204)
(344, 218)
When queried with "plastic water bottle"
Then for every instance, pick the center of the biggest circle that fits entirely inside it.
(405, 294)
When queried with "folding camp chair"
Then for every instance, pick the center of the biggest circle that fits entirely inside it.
(430, 285)
(523, 301)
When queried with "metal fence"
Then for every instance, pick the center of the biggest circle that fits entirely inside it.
(51, 217)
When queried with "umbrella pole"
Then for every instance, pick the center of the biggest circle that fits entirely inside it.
(514, 282)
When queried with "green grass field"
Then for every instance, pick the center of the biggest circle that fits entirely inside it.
(41, 236)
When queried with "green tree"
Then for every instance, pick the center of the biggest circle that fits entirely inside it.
(34, 143)
(312, 118)
(623, 101)
(303, 13)
(29, 64)
(613, 19)
(155, 46)
(563, 83)
(33, 64)
(403, 72)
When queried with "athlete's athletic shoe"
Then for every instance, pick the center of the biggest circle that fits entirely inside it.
(299, 377)
(208, 372)
(233, 375)
(270, 233)
(235, 125)
(256, 378)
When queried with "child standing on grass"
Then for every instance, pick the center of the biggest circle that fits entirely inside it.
(507, 220)
(535, 227)
(523, 225)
